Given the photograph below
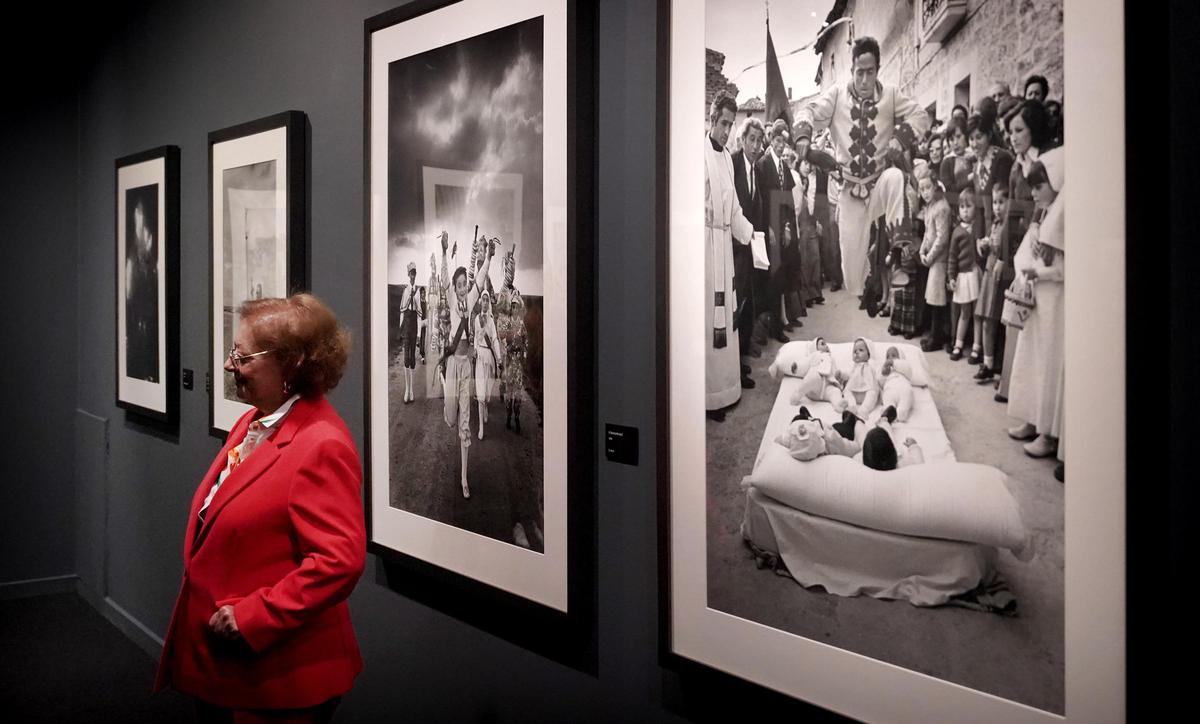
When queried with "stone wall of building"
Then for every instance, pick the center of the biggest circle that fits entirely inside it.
(714, 78)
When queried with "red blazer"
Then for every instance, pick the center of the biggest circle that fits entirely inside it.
(284, 542)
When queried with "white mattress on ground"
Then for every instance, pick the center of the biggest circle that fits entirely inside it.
(850, 560)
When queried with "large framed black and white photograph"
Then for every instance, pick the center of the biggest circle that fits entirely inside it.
(258, 234)
(147, 266)
(478, 306)
(872, 341)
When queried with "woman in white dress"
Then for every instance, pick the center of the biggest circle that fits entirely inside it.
(1036, 393)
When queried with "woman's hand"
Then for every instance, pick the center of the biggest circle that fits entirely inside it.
(223, 624)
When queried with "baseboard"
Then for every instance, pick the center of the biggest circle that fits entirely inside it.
(10, 590)
(134, 630)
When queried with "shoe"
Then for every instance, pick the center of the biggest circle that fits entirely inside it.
(819, 300)
(885, 312)
(999, 397)
(788, 327)
(1060, 472)
(956, 354)
(837, 287)
(798, 323)
(755, 350)
(781, 337)
(975, 357)
(747, 383)
(929, 345)
(745, 369)
(893, 331)
(909, 335)
(949, 347)
(519, 536)
(715, 415)
(984, 375)
(1023, 432)
(889, 413)
(1041, 447)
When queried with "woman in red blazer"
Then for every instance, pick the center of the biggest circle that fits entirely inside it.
(275, 538)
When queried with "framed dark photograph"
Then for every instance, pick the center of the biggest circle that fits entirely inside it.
(258, 217)
(479, 256)
(866, 441)
(147, 266)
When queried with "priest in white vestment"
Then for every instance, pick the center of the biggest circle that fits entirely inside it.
(724, 226)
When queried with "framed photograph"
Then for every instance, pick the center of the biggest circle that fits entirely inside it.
(479, 255)
(258, 216)
(878, 524)
(147, 266)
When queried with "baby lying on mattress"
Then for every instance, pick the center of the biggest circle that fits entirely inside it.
(807, 439)
(861, 389)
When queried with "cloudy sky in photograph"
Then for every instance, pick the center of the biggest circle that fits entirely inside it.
(738, 28)
(475, 106)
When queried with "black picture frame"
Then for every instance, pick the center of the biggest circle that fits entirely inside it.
(1096, 674)
(160, 166)
(293, 151)
(565, 636)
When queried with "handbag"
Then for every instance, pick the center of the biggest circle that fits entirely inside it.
(1018, 303)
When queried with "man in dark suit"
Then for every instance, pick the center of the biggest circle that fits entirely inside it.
(747, 184)
(775, 176)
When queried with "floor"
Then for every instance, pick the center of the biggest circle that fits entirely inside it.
(1019, 658)
(64, 662)
(504, 469)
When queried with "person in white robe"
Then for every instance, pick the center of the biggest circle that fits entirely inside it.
(724, 225)
(1035, 395)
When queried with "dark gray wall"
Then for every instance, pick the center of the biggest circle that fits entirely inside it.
(175, 71)
(38, 209)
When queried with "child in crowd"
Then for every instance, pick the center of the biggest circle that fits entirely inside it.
(897, 384)
(963, 273)
(955, 173)
(860, 386)
(903, 260)
(821, 381)
(991, 287)
(933, 256)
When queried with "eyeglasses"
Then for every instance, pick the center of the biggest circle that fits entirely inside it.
(237, 359)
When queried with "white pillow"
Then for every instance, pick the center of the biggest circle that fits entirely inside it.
(791, 359)
(953, 501)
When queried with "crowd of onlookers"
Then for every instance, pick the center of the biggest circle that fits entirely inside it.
(975, 267)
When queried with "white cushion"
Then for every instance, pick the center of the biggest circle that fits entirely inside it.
(948, 500)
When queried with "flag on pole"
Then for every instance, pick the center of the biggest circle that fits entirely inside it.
(778, 104)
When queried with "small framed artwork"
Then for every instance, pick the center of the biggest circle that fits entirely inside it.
(147, 267)
(479, 316)
(865, 441)
(258, 216)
